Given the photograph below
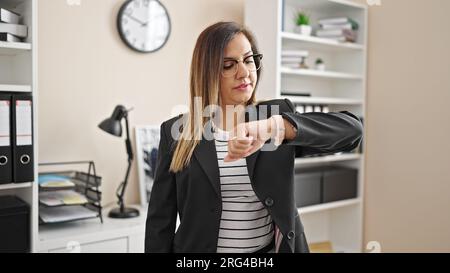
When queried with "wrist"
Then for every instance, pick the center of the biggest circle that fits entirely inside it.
(277, 128)
(291, 129)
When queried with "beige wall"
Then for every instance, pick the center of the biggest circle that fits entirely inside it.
(407, 204)
(85, 70)
(84, 74)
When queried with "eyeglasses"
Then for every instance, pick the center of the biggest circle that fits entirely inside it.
(252, 63)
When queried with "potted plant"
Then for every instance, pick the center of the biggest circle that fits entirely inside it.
(320, 65)
(302, 23)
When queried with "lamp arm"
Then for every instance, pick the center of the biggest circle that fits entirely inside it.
(127, 140)
(130, 161)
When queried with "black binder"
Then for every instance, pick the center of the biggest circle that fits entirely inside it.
(23, 156)
(6, 161)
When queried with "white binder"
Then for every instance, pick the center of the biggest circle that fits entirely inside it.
(8, 16)
(14, 29)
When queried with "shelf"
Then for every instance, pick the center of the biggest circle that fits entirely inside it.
(327, 159)
(328, 5)
(16, 186)
(11, 49)
(329, 206)
(15, 88)
(312, 42)
(323, 100)
(349, 4)
(318, 73)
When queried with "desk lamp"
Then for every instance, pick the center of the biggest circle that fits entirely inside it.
(113, 126)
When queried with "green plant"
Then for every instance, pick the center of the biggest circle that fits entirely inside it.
(319, 61)
(302, 19)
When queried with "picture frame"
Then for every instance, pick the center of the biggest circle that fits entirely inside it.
(147, 144)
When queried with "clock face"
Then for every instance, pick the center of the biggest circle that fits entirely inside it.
(144, 25)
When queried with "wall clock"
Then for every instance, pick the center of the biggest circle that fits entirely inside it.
(144, 25)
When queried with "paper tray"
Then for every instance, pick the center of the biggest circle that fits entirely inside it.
(53, 215)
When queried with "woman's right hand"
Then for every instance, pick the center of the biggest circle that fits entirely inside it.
(248, 138)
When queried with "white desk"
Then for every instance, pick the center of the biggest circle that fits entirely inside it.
(91, 236)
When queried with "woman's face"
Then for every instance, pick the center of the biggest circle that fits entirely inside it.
(237, 89)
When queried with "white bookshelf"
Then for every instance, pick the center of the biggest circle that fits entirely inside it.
(311, 42)
(325, 101)
(342, 86)
(18, 73)
(327, 159)
(16, 186)
(15, 88)
(329, 206)
(318, 73)
(12, 49)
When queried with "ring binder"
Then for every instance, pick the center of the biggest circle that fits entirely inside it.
(25, 159)
(5, 140)
(3, 160)
(23, 170)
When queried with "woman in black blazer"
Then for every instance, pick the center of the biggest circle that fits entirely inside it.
(226, 66)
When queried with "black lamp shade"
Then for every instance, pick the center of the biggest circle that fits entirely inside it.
(112, 125)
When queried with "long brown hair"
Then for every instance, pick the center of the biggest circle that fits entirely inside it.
(206, 67)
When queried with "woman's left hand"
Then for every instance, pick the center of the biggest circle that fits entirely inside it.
(249, 137)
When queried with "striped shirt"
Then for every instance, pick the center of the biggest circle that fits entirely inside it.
(245, 225)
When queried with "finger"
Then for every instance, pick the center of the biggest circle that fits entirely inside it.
(255, 147)
(229, 159)
(237, 153)
(245, 140)
(238, 144)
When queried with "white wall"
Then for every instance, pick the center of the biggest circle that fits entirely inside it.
(408, 129)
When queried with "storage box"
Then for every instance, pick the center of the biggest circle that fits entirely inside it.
(307, 187)
(339, 183)
(14, 225)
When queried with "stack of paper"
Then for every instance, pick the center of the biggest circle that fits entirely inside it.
(60, 198)
(65, 214)
(293, 58)
(55, 182)
(340, 29)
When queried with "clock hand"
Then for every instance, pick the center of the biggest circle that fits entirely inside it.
(136, 20)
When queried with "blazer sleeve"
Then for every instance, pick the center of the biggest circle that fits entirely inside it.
(162, 208)
(323, 133)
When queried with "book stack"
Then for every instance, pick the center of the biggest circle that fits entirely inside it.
(342, 29)
(294, 58)
(10, 30)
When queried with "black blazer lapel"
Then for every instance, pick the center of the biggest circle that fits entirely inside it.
(251, 162)
(206, 155)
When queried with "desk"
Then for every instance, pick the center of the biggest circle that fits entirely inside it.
(91, 236)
